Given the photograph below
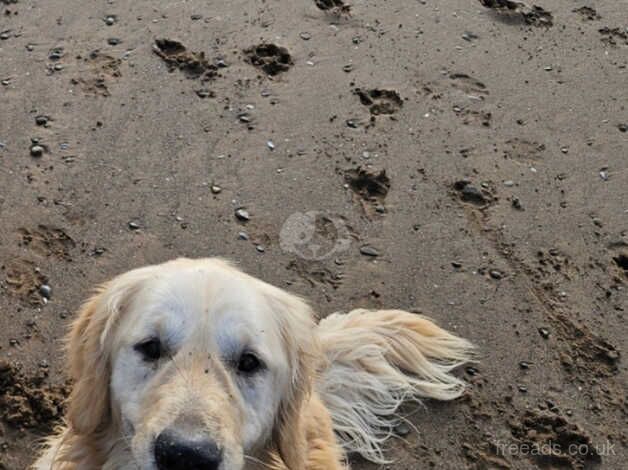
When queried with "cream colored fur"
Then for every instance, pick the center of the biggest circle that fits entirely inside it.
(377, 361)
(337, 386)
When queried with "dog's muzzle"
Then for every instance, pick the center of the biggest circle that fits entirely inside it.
(174, 451)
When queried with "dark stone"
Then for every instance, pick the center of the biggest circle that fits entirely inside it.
(369, 251)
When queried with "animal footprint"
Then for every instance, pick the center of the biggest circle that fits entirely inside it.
(523, 150)
(468, 84)
(380, 101)
(102, 68)
(47, 241)
(272, 59)
(588, 13)
(24, 279)
(614, 36)
(472, 117)
(620, 256)
(470, 194)
(192, 64)
(370, 185)
(370, 188)
(333, 6)
(532, 15)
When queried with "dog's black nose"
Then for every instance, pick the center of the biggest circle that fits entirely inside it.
(176, 452)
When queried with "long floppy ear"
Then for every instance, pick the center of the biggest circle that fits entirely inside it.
(89, 351)
(298, 330)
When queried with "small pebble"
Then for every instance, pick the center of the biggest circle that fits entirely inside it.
(347, 68)
(110, 20)
(243, 215)
(622, 127)
(216, 189)
(604, 175)
(45, 290)
(243, 236)
(495, 274)
(260, 248)
(114, 41)
(98, 251)
(544, 332)
(612, 355)
(509, 183)
(4, 36)
(524, 365)
(56, 53)
(37, 150)
(473, 194)
(402, 429)
(523, 389)
(134, 226)
(456, 264)
(204, 93)
(305, 36)
(516, 203)
(41, 120)
(270, 145)
(369, 251)
(196, 17)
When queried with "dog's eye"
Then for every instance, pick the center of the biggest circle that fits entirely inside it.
(249, 363)
(149, 349)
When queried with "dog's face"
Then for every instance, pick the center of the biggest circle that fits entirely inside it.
(199, 360)
(205, 364)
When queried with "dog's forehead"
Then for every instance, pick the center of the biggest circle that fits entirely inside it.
(199, 299)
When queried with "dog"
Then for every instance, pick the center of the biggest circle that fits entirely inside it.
(193, 364)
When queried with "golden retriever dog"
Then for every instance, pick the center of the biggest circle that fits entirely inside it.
(193, 364)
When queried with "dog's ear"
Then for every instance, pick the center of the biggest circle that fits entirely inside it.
(89, 346)
(298, 330)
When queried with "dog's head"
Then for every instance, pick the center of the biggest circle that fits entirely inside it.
(192, 364)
